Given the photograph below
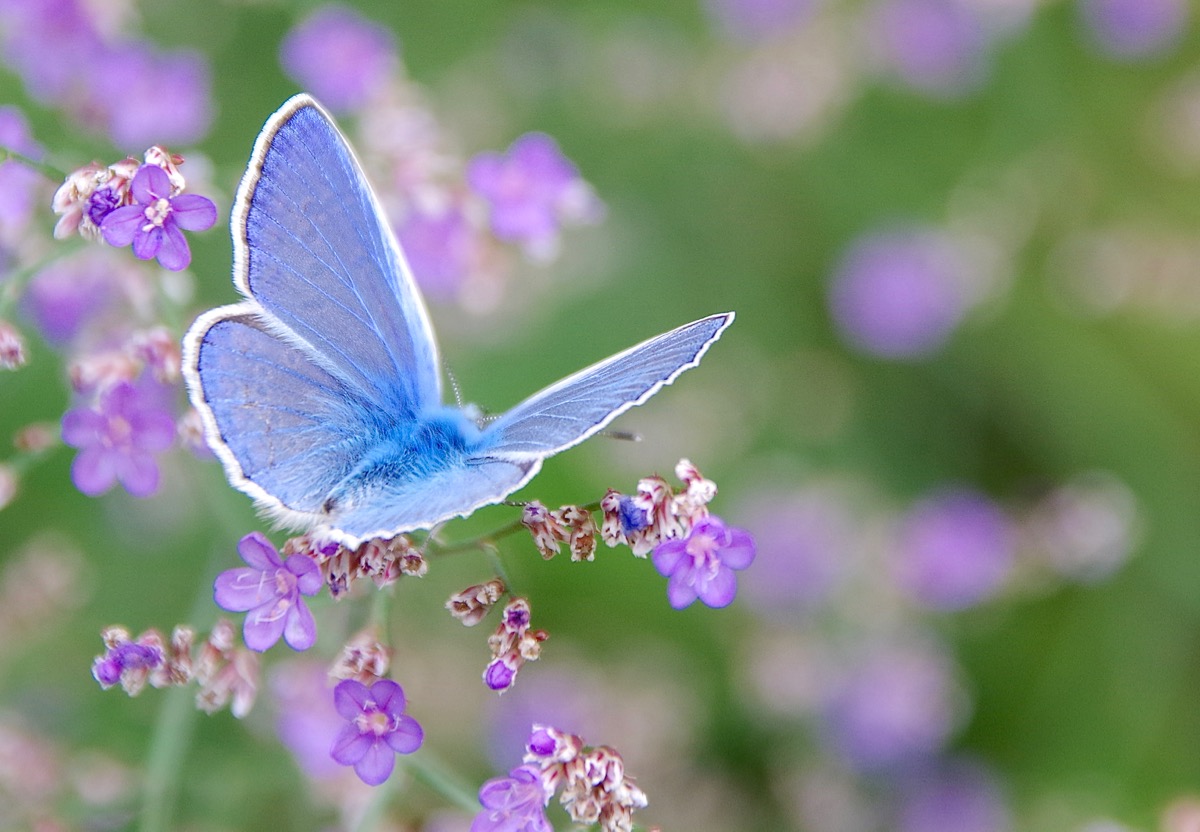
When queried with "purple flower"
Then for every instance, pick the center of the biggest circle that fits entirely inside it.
(130, 655)
(442, 250)
(954, 550)
(893, 708)
(516, 803)
(117, 441)
(755, 19)
(962, 796)
(1134, 29)
(378, 730)
(268, 590)
(530, 191)
(307, 722)
(702, 564)
(900, 294)
(935, 46)
(153, 224)
(150, 97)
(340, 56)
(67, 294)
(50, 43)
(18, 183)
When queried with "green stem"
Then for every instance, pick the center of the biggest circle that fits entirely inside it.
(164, 762)
(428, 769)
(49, 171)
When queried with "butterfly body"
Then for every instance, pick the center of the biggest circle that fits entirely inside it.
(321, 391)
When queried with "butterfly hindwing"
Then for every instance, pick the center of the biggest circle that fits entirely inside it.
(571, 410)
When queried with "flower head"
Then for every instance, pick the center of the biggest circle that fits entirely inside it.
(701, 565)
(938, 47)
(153, 224)
(342, 57)
(531, 190)
(118, 440)
(268, 590)
(516, 803)
(1134, 29)
(378, 730)
(19, 183)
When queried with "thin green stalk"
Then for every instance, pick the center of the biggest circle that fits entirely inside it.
(49, 171)
(425, 767)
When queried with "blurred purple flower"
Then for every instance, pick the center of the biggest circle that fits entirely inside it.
(755, 19)
(531, 190)
(153, 223)
(961, 796)
(893, 708)
(150, 97)
(938, 47)
(702, 564)
(118, 439)
(954, 550)
(339, 56)
(516, 803)
(18, 183)
(66, 294)
(307, 721)
(378, 730)
(130, 655)
(268, 590)
(51, 44)
(804, 542)
(442, 250)
(1134, 29)
(900, 294)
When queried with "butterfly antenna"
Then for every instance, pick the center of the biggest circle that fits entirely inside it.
(628, 436)
(453, 384)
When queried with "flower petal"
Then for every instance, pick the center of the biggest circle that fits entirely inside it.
(194, 212)
(174, 255)
(350, 745)
(147, 243)
(388, 696)
(667, 556)
(81, 427)
(680, 592)
(300, 630)
(308, 574)
(263, 627)
(258, 552)
(121, 224)
(153, 430)
(149, 184)
(376, 765)
(350, 698)
(719, 590)
(138, 472)
(739, 552)
(407, 737)
(241, 589)
(93, 471)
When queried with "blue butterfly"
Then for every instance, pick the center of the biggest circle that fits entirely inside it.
(321, 391)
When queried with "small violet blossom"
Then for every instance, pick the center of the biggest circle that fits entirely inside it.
(702, 564)
(340, 56)
(153, 223)
(516, 803)
(268, 590)
(531, 190)
(117, 440)
(378, 730)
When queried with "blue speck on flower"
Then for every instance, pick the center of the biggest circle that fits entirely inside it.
(118, 440)
(516, 803)
(701, 565)
(107, 669)
(378, 730)
(634, 518)
(153, 224)
(268, 590)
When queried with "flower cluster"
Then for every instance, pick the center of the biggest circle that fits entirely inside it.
(572, 525)
(378, 728)
(655, 511)
(131, 204)
(593, 783)
(473, 603)
(222, 670)
(364, 658)
(383, 560)
(513, 644)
